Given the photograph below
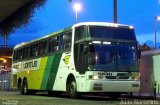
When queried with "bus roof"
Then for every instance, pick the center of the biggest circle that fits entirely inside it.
(75, 25)
(100, 24)
(44, 37)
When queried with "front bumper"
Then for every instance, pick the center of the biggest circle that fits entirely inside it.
(112, 86)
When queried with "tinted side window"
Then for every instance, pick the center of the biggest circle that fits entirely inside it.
(26, 52)
(14, 55)
(18, 54)
(34, 50)
(58, 43)
(67, 40)
(52, 44)
(61, 44)
(42, 47)
(79, 33)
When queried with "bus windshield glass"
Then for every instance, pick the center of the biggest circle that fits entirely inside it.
(112, 57)
(124, 33)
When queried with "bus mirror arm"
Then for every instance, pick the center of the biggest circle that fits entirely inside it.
(139, 54)
(85, 50)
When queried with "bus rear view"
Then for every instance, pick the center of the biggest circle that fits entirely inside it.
(107, 55)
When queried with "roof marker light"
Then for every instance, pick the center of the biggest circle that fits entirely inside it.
(106, 42)
(158, 17)
(131, 27)
(96, 42)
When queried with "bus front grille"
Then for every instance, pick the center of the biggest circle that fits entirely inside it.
(117, 77)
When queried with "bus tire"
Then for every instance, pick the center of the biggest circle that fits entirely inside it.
(20, 86)
(114, 95)
(73, 89)
(21, 91)
(24, 87)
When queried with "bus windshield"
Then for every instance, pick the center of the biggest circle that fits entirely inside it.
(112, 57)
(119, 33)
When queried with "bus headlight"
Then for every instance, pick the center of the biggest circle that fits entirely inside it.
(136, 78)
(95, 77)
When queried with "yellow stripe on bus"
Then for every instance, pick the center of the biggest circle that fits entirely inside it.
(40, 72)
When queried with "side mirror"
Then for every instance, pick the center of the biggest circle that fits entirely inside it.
(139, 54)
(85, 49)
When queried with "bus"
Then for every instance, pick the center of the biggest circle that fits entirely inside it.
(88, 57)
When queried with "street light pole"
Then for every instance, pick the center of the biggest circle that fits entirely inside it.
(76, 16)
(155, 30)
(155, 33)
(115, 11)
(77, 7)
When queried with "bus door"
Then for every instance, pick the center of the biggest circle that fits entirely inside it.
(82, 66)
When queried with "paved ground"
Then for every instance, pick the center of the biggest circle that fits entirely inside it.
(14, 98)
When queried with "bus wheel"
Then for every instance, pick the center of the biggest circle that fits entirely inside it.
(73, 89)
(114, 95)
(20, 87)
(25, 87)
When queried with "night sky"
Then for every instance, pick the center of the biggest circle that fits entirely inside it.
(58, 14)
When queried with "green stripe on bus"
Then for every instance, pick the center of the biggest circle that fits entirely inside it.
(47, 72)
(53, 71)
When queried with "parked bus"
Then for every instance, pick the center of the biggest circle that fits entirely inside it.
(89, 57)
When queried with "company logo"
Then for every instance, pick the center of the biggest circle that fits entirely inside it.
(107, 74)
(30, 64)
(66, 59)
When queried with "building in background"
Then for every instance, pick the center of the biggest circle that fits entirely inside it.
(150, 72)
(5, 58)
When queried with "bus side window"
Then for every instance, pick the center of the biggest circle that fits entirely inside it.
(34, 51)
(52, 44)
(61, 44)
(15, 55)
(67, 40)
(42, 47)
(20, 54)
(49, 45)
(26, 52)
(80, 33)
(57, 43)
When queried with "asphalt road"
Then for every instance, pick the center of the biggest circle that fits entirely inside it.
(14, 98)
